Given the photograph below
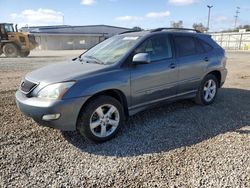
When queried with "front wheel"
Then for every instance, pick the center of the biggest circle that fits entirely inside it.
(207, 91)
(10, 50)
(101, 119)
(24, 54)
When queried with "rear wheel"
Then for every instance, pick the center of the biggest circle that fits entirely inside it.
(24, 54)
(10, 50)
(207, 90)
(101, 119)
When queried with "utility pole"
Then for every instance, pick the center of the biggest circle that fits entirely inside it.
(236, 16)
(208, 18)
(63, 19)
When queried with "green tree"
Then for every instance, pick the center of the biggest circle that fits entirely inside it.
(137, 28)
(247, 27)
(178, 24)
(200, 27)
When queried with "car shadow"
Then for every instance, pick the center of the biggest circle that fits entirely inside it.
(173, 126)
(243, 131)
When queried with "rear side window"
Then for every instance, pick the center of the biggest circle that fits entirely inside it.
(185, 46)
(158, 48)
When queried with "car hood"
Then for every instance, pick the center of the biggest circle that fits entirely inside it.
(65, 71)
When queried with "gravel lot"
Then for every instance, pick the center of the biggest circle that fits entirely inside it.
(177, 145)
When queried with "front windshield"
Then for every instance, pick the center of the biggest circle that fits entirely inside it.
(111, 50)
(9, 28)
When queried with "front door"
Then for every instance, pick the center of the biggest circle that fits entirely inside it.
(157, 80)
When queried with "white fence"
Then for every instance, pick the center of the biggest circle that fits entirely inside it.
(233, 41)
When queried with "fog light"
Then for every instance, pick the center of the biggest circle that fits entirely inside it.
(49, 117)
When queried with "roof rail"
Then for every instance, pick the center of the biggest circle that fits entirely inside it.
(177, 29)
(130, 31)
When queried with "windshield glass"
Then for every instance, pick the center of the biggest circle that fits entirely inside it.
(9, 28)
(111, 50)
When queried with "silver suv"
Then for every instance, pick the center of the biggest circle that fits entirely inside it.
(121, 76)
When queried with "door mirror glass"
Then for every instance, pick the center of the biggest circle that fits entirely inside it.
(141, 58)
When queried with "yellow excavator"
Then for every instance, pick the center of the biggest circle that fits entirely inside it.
(14, 43)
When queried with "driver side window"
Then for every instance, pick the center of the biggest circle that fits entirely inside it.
(158, 48)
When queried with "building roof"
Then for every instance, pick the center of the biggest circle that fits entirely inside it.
(71, 34)
(68, 29)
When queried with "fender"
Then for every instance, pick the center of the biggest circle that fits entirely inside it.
(106, 81)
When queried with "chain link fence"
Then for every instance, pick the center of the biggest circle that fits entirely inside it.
(233, 41)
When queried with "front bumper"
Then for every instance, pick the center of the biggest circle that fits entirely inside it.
(36, 108)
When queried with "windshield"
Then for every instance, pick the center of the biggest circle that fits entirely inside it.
(9, 28)
(111, 50)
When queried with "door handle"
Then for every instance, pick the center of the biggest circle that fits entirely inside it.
(206, 59)
(172, 65)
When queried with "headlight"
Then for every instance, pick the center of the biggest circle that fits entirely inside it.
(55, 91)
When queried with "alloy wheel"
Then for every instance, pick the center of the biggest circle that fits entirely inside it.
(209, 90)
(104, 120)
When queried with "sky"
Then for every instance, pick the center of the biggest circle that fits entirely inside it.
(147, 14)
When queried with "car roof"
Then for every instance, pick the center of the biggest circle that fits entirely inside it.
(185, 31)
(6, 24)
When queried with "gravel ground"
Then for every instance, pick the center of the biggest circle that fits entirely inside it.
(176, 145)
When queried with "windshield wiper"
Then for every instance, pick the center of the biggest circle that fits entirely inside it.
(79, 57)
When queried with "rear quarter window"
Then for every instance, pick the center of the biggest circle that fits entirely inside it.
(207, 47)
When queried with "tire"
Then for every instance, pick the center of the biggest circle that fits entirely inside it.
(10, 50)
(24, 54)
(94, 121)
(207, 91)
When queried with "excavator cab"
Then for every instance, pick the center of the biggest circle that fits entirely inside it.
(4, 29)
(14, 43)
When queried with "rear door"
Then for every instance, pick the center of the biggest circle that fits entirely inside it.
(157, 80)
(192, 62)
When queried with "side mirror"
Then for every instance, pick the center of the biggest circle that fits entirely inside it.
(141, 58)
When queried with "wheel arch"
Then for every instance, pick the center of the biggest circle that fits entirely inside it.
(115, 93)
(11, 42)
(217, 74)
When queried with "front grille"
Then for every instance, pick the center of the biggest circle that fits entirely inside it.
(27, 86)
